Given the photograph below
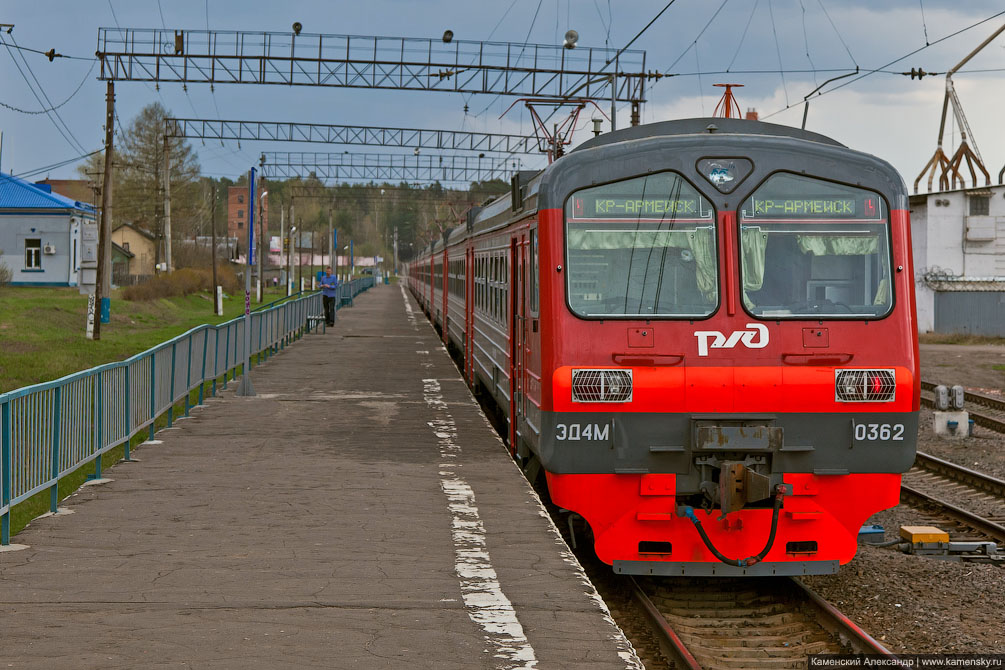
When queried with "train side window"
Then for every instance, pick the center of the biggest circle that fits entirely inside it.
(534, 287)
(810, 248)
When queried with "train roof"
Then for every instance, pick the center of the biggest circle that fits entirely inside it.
(701, 126)
(633, 151)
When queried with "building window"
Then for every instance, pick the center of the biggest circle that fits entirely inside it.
(33, 254)
(980, 205)
(240, 213)
(240, 224)
(240, 198)
(125, 245)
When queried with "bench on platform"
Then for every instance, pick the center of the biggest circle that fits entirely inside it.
(314, 319)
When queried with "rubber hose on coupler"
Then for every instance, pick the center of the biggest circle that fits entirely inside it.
(742, 562)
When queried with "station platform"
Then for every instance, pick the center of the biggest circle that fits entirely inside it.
(359, 512)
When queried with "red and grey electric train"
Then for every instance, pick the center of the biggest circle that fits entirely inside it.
(703, 331)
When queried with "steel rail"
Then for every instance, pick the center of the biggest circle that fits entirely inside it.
(978, 480)
(837, 623)
(670, 643)
(978, 523)
(995, 424)
(832, 620)
(974, 397)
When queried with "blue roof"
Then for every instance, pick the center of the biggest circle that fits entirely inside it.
(17, 193)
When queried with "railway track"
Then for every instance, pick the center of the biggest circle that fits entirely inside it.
(971, 499)
(995, 420)
(767, 624)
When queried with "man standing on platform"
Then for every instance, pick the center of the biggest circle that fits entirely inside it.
(329, 293)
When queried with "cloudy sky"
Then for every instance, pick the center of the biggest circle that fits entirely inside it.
(702, 42)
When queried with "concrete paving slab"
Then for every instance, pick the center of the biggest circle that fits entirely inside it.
(358, 512)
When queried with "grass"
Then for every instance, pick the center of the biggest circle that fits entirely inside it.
(959, 338)
(998, 368)
(42, 330)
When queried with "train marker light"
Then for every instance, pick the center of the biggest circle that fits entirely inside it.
(865, 385)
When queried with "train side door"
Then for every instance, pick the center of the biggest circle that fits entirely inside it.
(518, 333)
(469, 313)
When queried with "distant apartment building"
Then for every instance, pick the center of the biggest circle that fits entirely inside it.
(238, 213)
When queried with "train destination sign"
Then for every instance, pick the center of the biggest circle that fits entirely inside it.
(623, 207)
(811, 208)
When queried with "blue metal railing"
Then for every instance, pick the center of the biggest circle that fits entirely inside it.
(49, 430)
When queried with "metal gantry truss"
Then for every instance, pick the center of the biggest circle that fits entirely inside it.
(352, 61)
(387, 167)
(323, 133)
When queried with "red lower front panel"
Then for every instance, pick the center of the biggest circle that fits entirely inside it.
(624, 510)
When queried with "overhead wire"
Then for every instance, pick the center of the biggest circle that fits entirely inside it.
(54, 55)
(882, 68)
(50, 109)
(529, 31)
(743, 36)
(924, 24)
(41, 90)
(53, 166)
(66, 134)
(837, 32)
(806, 39)
(778, 50)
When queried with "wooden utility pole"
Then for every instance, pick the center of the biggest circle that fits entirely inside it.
(167, 204)
(103, 282)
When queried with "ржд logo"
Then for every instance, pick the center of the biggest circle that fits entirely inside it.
(756, 338)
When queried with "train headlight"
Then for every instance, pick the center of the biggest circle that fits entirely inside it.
(601, 385)
(865, 385)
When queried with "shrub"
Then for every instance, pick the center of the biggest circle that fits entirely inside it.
(5, 274)
(181, 282)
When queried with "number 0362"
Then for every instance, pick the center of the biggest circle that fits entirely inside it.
(878, 432)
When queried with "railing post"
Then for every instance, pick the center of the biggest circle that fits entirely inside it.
(99, 441)
(233, 376)
(188, 375)
(5, 472)
(56, 411)
(205, 350)
(153, 392)
(261, 345)
(226, 359)
(216, 357)
(129, 417)
(171, 390)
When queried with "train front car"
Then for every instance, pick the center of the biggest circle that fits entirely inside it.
(727, 317)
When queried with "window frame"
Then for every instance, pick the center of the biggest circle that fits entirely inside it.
(37, 248)
(716, 233)
(738, 230)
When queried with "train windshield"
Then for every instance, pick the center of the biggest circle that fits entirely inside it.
(641, 247)
(811, 248)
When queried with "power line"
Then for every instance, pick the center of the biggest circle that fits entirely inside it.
(693, 43)
(68, 161)
(76, 146)
(778, 50)
(744, 36)
(639, 34)
(882, 68)
(837, 32)
(52, 54)
(44, 111)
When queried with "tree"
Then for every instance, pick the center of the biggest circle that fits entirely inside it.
(138, 162)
